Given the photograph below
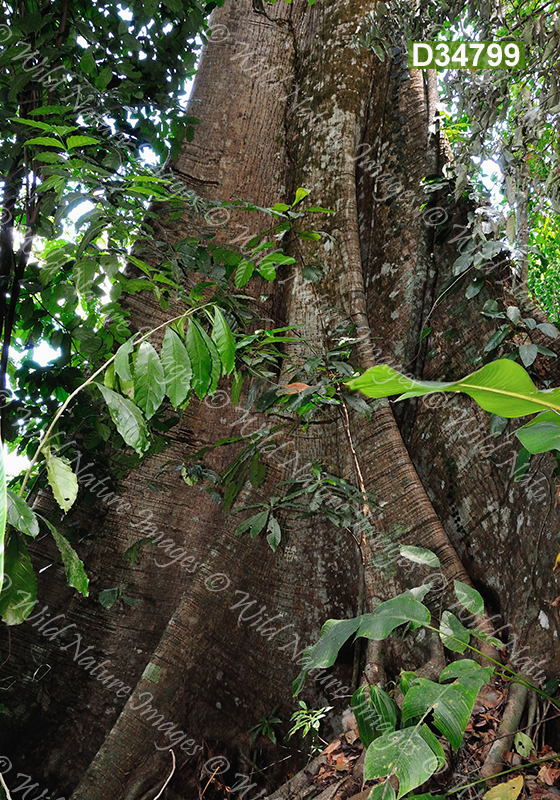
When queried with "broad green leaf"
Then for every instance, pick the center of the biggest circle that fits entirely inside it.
(62, 480)
(87, 62)
(128, 419)
(419, 555)
(256, 522)
(375, 713)
(267, 271)
(200, 359)
(215, 362)
(390, 614)
(301, 193)
(257, 471)
(274, 533)
(502, 387)
(548, 329)
(122, 362)
(451, 704)
(403, 753)
(383, 791)
(47, 142)
(177, 368)
(541, 434)
(80, 141)
(523, 744)
(451, 630)
(149, 380)
(418, 592)
(469, 598)
(528, 353)
(243, 273)
(224, 340)
(334, 634)
(3, 510)
(108, 597)
(20, 515)
(14, 605)
(73, 567)
(510, 790)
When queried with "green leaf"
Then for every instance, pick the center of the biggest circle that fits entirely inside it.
(496, 339)
(87, 61)
(419, 555)
(300, 195)
(104, 78)
(200, 359)
(128, 419)
(375, 713)
(541, 434)
(108, 597)
(451, 704)
(451, 627)
(19, 514)
(177, 368)
(502, 387)
(469, 598)
(18, 567)
(383, 791)
(528, 353)
(403, 753)
(224, 340)
(215, 363)
(497, 424)
(267, 271)
(390, 614)
(80, 141)
(334, 634)
(149, 380)
(274, 533)
(548, 329)
(257, 471)
(523, 744)
(122, 362)
(73, 567)
(521, 464)
(46, 142)
(256, 522)
(243, 273)
(236, 387)
(62, 480)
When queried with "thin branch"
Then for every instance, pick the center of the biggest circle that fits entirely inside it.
(159, 794)
(8, 795)
(90, 380)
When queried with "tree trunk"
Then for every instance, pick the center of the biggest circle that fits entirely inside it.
(285, 101)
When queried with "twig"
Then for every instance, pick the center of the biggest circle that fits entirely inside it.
(159, 794)
(8, 795)
(210, 779)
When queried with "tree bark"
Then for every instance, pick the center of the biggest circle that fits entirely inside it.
(285, 101)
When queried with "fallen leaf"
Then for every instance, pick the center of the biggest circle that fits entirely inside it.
(331, 747)
(548, 775)
(506, 791)
(342, 763)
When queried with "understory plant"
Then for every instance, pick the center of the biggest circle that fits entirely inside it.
(404, 743)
